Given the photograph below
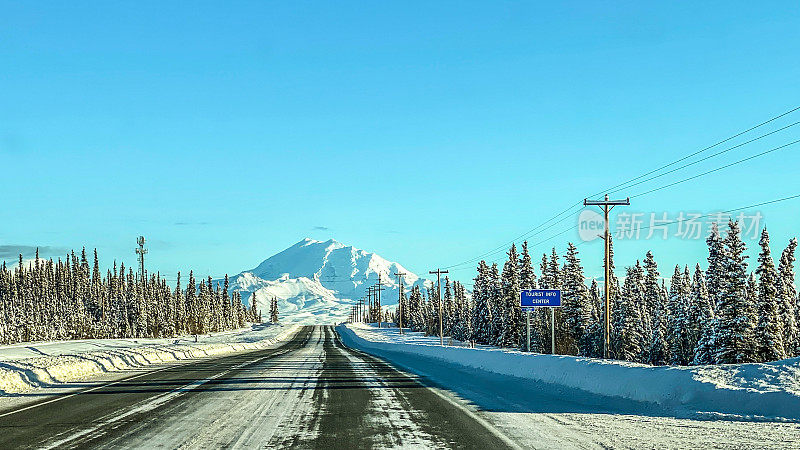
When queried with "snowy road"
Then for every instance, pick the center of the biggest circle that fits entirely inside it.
(310, 392)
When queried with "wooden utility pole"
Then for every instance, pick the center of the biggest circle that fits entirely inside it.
(369, 307)
(606, 205)
(439, 273)
(378, 300)
(378, 310)
(399, 276)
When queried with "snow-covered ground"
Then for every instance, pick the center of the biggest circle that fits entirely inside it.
(583, 402)
(27, 366)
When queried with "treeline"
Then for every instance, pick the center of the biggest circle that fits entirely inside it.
(725, 314)
(70, 299)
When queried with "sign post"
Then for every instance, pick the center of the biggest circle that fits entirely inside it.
(551, 298)
(528, 348)
(552, 331)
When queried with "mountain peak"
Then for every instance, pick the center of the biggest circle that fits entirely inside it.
(309, 241)
(320, 280)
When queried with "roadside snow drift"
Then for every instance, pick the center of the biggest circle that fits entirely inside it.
(67, 363)
(769, 391)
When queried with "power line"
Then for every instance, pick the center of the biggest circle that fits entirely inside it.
(704, 159)
(502, 249)
(568, 209)
(716, 170)
(641, 194)
(791, 197)
(670, 222)
(700, 151)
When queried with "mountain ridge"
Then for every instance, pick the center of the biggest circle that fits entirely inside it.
(319, 281)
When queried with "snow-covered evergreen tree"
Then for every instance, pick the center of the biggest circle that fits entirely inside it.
(527, 276)
(416, 313)
(594, 339)
(702, 314)
(576, 305)
(482, 310)
(735, 324)
(540, 318)
(628, 323)
(653, 315)
(788, 307)
(653, 301)
(511, 334)
(273, 311)
(716, 265)
(497, 304)
(769, 330)
(681, 347)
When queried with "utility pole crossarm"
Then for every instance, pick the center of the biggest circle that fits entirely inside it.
(606, 202)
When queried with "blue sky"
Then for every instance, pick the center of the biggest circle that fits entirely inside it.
(428, 132)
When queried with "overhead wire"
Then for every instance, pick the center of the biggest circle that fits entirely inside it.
(628, 182)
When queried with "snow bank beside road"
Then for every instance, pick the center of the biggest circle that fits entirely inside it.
(64, 364)
(768, 391)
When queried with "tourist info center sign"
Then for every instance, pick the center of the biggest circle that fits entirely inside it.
(530, 298)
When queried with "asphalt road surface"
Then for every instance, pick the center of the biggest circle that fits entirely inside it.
(310, 392)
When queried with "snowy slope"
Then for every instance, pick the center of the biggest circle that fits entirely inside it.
(318, 281)
(754, 392)
(33, 365)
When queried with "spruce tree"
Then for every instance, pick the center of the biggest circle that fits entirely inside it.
(180, 308)
(681, 347)
(716, 265)
(192, 305)
(497, 305)
(576, 308)
(273, 317)
(769, 330)
(594, 340)
(628, 324)
(788, 308)
(482, 311)
(734, 332)
(556, 279)
(511, 334)
(527, 277)
(702, 314)
(654, 320)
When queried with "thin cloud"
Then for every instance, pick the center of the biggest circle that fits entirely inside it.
(29, 251)
(190, 223)
(320, 228)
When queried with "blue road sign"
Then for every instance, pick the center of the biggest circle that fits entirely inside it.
(529, 298)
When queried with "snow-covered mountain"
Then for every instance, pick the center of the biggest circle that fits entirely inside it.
(318, 282)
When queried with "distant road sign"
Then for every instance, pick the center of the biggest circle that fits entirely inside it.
(529, 298)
